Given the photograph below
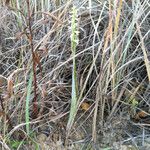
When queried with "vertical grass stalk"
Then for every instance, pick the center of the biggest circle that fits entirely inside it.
(74, 42)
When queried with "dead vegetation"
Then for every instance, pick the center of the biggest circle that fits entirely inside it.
(102, 80)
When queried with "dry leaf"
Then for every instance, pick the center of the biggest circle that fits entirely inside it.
(141, 114)
(10, 87)
(10, 82)
(36, 58)
(85, 106)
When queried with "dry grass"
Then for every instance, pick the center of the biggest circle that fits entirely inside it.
(110, 73)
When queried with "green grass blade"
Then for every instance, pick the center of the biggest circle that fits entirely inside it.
(29, 89)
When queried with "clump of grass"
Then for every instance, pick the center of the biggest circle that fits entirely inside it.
(111, 55)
